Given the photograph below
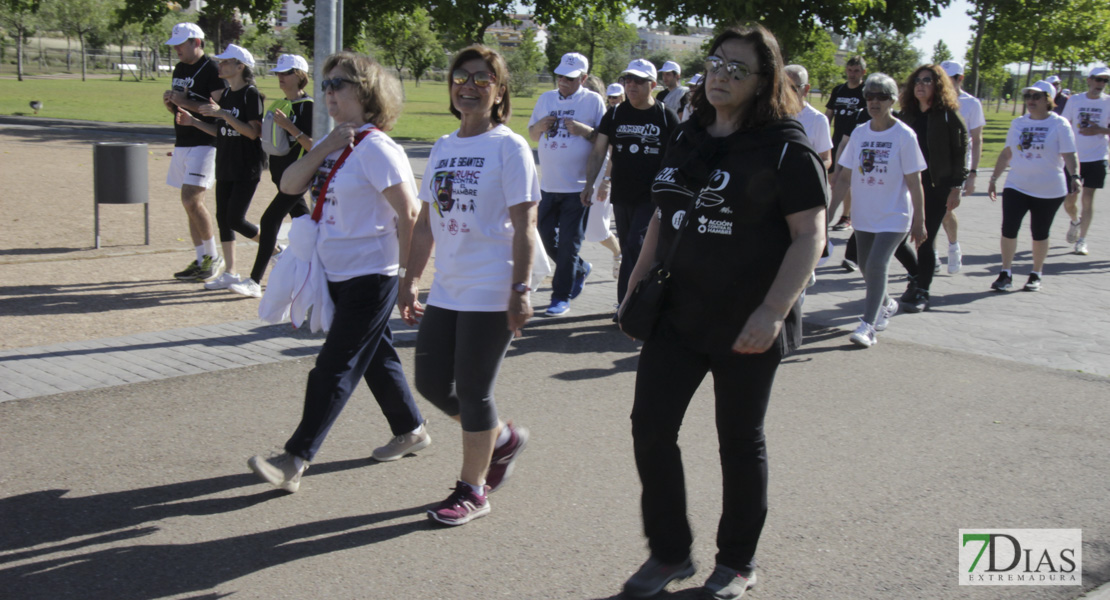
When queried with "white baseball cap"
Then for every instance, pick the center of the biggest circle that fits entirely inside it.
(614, 89)
(696, 79)
(1098, 72)
(1041, 86)
(239, 53)
(671, 67)
(573, 64)
(184, 31)
(641, 67)
(1053, 79)
(952, 68)
(286, 62)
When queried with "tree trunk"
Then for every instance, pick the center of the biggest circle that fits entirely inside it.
(42, 58)
(1029, 75)
(81, 39)
(19, 54)
(69, 61)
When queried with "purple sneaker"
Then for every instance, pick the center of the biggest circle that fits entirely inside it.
(462, 506)
(501, 464)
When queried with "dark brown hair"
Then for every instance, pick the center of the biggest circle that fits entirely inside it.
(774, 99)
(379, 92)
(944, 93)
(501, 111)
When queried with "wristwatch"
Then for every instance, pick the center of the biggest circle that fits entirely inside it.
(521, 288)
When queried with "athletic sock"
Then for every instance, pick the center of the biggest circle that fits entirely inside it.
(479, 490)
(1007, 272)
(200, 253)
(503, 437)
(1037, 273)
(209, 246)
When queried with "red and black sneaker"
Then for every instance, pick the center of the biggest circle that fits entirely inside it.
(501, 464)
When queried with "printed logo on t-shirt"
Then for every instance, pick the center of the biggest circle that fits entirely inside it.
(227, 130)
(708, 197)
(874, 160)
(1090, 116)
(648, 135)
(845, 106)
(1031, 142)
(455, 189)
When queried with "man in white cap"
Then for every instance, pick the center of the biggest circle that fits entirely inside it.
(670, 74)
(564, 124)
(1061, 98)
(972, 112)
(1089, 115)
(196, 81)
(638, 130)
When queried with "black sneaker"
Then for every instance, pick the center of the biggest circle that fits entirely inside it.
(209, 267)
(654, 575)
(843, 224)
(190, 272)
(919, 303)
(1034, 283)
(1005, 282)
(849, 265)
(911, 291)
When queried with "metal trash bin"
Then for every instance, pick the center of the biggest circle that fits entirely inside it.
(120, 177)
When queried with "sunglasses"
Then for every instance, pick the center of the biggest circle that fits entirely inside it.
(1032, 96)
(335, 83)
(627, 79)
(923, 80)
(879, 97)
(565, 78)
(738, 71)
(1102, 79)
(481, 79)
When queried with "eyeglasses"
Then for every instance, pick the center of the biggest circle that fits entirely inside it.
(879, 97)
(481, 79)
(923, 81)
(627, 79)
(1033, 96)
(739, 71)
(1102, 79)
(335, 83)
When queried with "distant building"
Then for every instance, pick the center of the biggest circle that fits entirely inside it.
(510, 36)
(661, 40)
(290, 13)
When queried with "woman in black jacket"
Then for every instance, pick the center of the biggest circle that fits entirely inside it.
(930, 107)
(744, 186)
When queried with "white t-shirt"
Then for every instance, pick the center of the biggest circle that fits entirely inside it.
(972, 112)
(563, 156)
(358, 226)
(1037, 167)
(816, 125)
(879, 162)
(1081, 112)
(470, 184)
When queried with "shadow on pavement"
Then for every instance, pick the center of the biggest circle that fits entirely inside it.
(39, 251)
(102, 297)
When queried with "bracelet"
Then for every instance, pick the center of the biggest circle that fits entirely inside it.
(297, 137)
(401, 271)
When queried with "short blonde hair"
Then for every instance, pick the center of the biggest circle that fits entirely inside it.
(379, 92)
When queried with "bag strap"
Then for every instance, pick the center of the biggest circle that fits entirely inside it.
(666, 270)
(322, 197)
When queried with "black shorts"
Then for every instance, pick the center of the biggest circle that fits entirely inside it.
(1093, 174)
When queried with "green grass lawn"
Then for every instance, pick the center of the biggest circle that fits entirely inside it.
(426, 116)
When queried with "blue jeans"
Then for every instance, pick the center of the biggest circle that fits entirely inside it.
(565, 212)
(359, 345)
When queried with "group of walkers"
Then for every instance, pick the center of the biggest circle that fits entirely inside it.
(729, 200)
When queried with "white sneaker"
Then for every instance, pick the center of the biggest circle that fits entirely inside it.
(885, 313)
(617, 266)
(277, 255)
(828, 253)
(247, 287)
(222, 282)
(403, 444)
(1081, 247)
(864, 335)
(281, 471)
(955, 258)
(1073, 232)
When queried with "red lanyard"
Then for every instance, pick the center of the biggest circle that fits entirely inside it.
(323, 195)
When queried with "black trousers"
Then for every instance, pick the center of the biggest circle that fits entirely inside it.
(668, 375)
(270, 224)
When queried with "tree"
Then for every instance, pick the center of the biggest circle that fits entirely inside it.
(524, 62)
(404, 40)
(941, 53)
(819, 60)
(889, 52)
(605, 42)
(81, 19)
(21, 16)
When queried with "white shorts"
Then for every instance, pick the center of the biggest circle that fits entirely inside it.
(192, 166)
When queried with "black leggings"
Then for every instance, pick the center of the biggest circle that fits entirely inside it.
(458, 356)
(1041, 213)
(233, 199)
(936, 206)
(281, 205)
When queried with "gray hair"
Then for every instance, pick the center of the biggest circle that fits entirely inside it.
(798, 72)
(882, 83)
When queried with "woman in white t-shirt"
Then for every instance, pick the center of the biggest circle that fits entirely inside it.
(1039, 145)
(882, 168)
(366, 216)
(480, 193)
